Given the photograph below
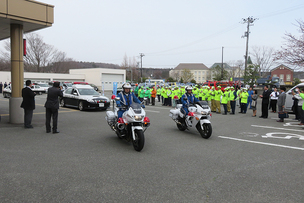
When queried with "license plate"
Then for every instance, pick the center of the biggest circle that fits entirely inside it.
(101, 104)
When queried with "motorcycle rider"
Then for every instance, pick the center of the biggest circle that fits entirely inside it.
(126, 99)
(191, 99)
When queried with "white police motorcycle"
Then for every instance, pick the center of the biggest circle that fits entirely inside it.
(199, 117)
(131, 126)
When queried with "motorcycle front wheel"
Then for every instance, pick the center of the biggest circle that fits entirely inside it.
(139, 141)
(205, 131)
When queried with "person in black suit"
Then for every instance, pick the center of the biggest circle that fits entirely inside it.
(265, 102)
(52, 106)
(28, 104)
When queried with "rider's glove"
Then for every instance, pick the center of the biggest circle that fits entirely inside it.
(143, 106)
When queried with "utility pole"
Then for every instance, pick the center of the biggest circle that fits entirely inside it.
(141, 56)
(222, 76)
(249, 22)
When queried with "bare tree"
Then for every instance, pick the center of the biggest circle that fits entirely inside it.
(292, 51)
(125, 62)
(176, 75)
(39, 54)
(236, 69)
(186, 75)
(40, 57)
(263, 57)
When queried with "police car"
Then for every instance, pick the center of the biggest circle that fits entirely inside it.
(84, 97)
(7, 91)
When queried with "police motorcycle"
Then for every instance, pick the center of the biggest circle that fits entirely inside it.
(198, 117)
(132, 125)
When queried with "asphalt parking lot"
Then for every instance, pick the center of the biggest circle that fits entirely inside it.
(247, 159)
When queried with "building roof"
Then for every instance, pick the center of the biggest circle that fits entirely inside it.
(191, 66)
(281, 66)
(225, 65)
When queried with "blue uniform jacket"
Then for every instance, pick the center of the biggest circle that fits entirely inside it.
(124, 99)
(190, 99)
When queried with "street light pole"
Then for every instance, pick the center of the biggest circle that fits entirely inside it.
(222, 77)
(141, 56)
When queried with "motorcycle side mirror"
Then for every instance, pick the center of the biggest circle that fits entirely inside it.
(117, 98)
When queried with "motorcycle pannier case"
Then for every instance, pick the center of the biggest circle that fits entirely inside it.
(174, 113)
(110, 116)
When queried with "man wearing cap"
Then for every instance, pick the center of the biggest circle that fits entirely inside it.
(187, 99)
(233, 97)
(244, 100)
(126, 99)
(225, 101)
(217, 98)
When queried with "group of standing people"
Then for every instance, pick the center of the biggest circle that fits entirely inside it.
(298, 108)
(145, 92)
(2, 86)
(279, 101)
(51, 105)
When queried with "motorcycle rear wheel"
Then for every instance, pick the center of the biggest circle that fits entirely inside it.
(139, 141)
(182, 126)
(206, 131)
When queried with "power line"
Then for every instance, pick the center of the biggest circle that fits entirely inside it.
(279, 12)
(199, 40)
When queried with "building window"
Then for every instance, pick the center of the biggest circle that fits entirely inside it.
(275, 75)
(288, 77)
(281, 77)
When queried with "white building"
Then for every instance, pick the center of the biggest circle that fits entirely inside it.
(201, 73)
(102, 76)
(96, 76)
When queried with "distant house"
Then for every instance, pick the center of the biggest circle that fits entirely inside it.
(284, 73)
(233, 72)
(299, 75)
(200, 72)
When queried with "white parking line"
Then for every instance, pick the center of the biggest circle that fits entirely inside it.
(260, 126)
(262, 143)
(151, 111)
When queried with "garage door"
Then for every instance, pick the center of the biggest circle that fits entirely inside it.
(108, 79)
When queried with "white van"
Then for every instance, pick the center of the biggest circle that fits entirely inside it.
(289, 100)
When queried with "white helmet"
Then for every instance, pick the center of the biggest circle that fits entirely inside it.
(126, 85)
(188, 88)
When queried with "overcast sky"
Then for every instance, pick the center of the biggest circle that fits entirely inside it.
(168, 32)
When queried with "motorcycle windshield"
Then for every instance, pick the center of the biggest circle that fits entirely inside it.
(136, 108)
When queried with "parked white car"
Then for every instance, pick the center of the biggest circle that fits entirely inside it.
(38, 89)
(289, 100)
(44, 86)
(7, 92)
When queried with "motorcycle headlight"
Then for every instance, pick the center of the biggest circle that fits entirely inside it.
(204, 113)
(138, 118)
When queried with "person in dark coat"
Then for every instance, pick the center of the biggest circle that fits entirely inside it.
(52, 106)
(1, 86)
(281, 102)
(28, 104)
(265, 102)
